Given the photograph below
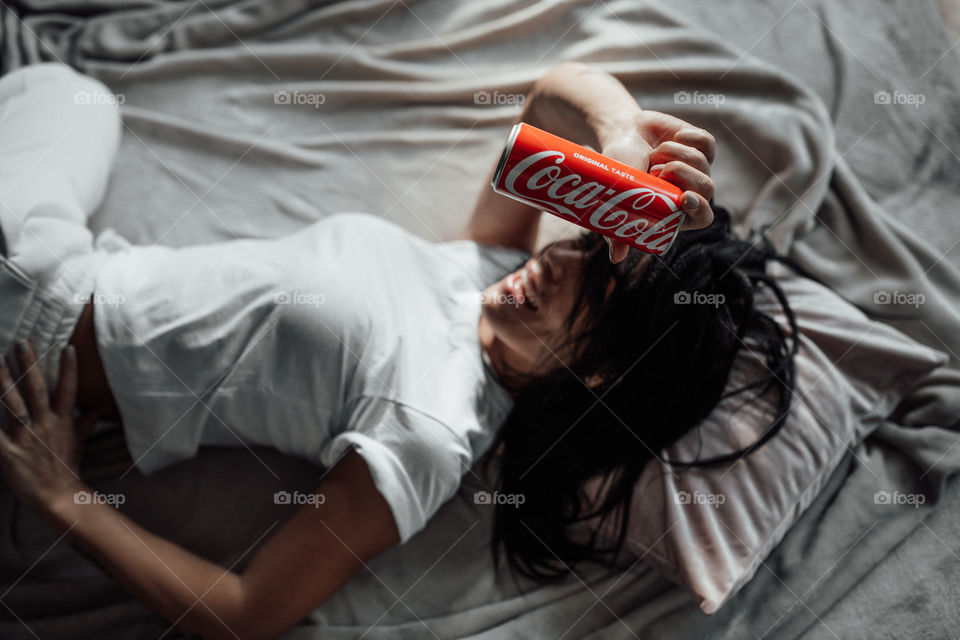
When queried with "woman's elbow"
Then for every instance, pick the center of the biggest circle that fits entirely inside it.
(564, 70)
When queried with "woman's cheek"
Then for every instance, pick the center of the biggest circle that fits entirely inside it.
(556, 328)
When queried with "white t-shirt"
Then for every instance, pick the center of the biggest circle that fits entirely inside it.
(350, 332)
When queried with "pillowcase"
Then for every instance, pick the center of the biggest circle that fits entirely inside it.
(710, 529)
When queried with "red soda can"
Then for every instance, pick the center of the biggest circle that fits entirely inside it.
(589, 189)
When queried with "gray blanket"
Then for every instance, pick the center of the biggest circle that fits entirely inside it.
(247, 119)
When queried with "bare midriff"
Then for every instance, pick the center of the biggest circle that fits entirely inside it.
(93, 391)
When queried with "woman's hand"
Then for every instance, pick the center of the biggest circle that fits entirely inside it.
(671, 149)
(590, 107)
(40, 452)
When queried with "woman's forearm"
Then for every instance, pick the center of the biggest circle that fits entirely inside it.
(574, 102)
(198, 596)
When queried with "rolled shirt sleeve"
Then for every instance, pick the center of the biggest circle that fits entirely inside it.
(416, 461)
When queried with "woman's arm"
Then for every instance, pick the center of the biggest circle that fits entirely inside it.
(303, 563)
(571, 101)
(593, 108)
(307, 560)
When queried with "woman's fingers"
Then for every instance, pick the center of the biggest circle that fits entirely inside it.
(663, 127)
(9, 393)
(670, 151)
(698, 190)
(35, 389)
(12, 401)
(687, 178)
(66, 395)
(699, 215)
(698, 139)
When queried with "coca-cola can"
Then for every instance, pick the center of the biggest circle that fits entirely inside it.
(589, 189)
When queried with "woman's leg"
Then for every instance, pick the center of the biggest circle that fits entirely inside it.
(59, 133)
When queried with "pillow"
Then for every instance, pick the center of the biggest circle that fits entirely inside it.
(710, 529)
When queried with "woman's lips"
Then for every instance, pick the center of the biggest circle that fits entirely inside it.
(513, 286)
(523, 285)
(529, 289)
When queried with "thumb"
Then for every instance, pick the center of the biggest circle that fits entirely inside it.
(616, 250)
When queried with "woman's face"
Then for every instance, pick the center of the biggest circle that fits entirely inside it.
(528, 310)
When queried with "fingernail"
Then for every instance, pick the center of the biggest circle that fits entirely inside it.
(610, 250)
(690, 202)
(69, 351)
(22, 346)
(655, 169)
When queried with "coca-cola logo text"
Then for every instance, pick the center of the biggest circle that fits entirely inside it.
(591, 203)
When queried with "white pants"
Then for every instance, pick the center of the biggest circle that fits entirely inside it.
(59, 133)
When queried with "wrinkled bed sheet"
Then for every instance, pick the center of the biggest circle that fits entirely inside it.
(860, 191)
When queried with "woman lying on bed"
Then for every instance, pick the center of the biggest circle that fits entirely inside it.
(359, 346)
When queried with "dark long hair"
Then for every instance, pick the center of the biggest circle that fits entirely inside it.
(659, 368)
